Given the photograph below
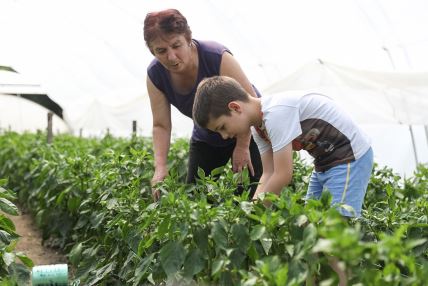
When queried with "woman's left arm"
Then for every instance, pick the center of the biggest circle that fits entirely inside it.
(241, 155)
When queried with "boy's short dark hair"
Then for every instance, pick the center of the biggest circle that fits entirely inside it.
(213, 96)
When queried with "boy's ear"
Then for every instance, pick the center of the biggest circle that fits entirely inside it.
(233, 105)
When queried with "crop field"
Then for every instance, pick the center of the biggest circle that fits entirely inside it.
(92, 197)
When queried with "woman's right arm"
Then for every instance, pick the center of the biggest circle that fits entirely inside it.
(161, 112)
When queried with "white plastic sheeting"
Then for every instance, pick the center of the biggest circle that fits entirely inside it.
(91, 58)
(16, 114)
(15, 83)
(20, 114)
(385, 104)
(372, 97)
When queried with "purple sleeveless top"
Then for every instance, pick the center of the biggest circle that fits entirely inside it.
(210, 54)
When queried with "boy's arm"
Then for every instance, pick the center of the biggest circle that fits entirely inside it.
(267, 163)
(279, 171)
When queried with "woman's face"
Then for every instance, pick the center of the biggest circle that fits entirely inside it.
(173, 52)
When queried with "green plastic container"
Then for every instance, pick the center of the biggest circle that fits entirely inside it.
(50, 275)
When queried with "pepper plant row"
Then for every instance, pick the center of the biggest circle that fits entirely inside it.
(93, 198)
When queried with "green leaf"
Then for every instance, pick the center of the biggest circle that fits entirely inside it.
(172, 257)
(309, 235)
(25, 259)
(8, 258)
(8, 207)
(73, 204)
(415, 242)
(241, 236)
(5, 237)
(325, 199)
(6, 194)
(281, 276)
(348, 208)
(86, 266)
(101, 273)
(201, 173)
(247, 207)
(250, 282)
(301, 220)
(112, 203)
(163, 227)
(143, 268)
(257, 232)
(225, 278)
(60, 198)
(76, 254)
(200, 236)
(194, 264)
(219, 235)
(96, 219)
(140, 249)
(22, 274)
(6, 224)
(149, 242)
(217, 171)
(217, 265)
(236, 257)
(267, 244)
(252, 252)
(323, 245)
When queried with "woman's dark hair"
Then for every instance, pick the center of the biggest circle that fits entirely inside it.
(165, 23)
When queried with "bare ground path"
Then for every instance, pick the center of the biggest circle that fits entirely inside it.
(30, 242)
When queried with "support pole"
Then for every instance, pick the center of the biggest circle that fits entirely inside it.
(50, 133)
(414, 145)
(426, 132)
(134, 128)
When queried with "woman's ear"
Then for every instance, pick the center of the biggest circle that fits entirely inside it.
(234, 106)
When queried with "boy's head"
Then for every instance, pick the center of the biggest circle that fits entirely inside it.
(213, 98)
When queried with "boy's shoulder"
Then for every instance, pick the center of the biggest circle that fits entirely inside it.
(286, 98)
(293, 98)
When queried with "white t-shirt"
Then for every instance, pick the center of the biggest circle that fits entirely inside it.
(312, 122)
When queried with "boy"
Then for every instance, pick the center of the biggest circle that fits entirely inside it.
(290, 121)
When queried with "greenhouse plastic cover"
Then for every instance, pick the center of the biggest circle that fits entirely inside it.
(90, 58)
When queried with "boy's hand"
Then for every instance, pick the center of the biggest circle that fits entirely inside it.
(267, 203)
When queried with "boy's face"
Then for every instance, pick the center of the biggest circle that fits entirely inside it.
(232, 125)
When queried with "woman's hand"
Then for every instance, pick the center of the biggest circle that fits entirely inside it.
(240, 159)
(158, 177)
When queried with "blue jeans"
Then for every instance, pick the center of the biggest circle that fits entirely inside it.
(346, 182)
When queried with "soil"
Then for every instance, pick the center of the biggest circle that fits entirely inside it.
(30, 242)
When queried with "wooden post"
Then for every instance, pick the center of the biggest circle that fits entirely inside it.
(426, 132)
(50, 133)
(415, 153)
(134, 128)
(80, 132)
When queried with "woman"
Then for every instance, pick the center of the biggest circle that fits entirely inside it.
(180, 64)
